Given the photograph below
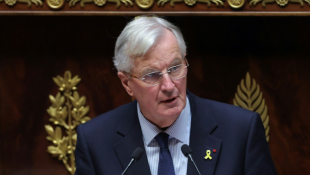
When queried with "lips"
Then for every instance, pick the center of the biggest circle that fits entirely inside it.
(169, 100)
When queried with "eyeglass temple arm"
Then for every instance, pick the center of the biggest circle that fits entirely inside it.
(186, 62)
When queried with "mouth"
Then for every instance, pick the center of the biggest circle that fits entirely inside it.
(169, 100)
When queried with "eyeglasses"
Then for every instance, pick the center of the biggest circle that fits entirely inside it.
(175, 72)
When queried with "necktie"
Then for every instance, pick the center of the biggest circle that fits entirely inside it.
(165, 165)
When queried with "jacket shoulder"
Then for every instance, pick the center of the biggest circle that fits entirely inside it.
(110, 119)
(216, 106)
(222, 113)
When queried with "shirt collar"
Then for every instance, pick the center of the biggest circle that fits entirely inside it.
(176, 130)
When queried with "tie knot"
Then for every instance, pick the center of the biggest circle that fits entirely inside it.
(162, 140)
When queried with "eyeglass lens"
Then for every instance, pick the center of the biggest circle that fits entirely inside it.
(175, 72)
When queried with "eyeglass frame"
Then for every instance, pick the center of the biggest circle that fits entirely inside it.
(151, 85)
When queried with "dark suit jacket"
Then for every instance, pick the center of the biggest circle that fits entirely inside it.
(105, 144)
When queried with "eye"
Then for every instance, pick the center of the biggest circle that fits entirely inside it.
(151, 77)
(174, 68)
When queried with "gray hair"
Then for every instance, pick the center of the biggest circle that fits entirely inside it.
(139, 36)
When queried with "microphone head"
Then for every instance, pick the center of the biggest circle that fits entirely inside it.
(186, 150)
(137, 153)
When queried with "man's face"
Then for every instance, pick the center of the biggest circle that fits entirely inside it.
(163, 103)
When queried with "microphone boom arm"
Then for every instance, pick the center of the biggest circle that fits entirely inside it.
(131, 161)
(190, 156)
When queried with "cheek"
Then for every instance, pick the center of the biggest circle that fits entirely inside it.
(147, 95)
(152, 95)
(137, 90)
(181, 85)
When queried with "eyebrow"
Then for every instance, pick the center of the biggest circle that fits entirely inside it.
(176, 62)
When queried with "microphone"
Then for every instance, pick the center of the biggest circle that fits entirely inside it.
(135, 156)
(187, 151)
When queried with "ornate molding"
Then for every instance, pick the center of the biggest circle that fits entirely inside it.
(67, 112)
(13, 2)
(190, 2)
(250, 97)
(55, 4)
(144, 4)
(236, 4)
(279, 2)
(100, 2)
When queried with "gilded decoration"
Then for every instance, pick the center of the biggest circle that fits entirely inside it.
(67, 112)
(279, 2)
(190, 2)
(144, 4)
(100, 2)
(10, 2)
(55, 4)
(236, 4)
(13, 2)
(250, 97)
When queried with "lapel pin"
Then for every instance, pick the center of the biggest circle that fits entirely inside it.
(208, 156)
(214, 150)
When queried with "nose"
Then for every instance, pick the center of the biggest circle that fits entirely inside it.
(166, 83)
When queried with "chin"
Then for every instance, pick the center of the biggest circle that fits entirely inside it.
(168, 117)
(167, 122)
(173, 112)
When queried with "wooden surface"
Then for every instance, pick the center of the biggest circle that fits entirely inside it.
(275, 50)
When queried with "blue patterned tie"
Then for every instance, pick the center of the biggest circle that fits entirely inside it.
(165, 165)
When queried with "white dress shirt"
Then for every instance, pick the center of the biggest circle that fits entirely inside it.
(179, 133)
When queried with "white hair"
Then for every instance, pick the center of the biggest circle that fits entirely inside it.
(139, 36)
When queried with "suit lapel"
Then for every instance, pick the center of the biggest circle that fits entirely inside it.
(201, 140)
(132, 138)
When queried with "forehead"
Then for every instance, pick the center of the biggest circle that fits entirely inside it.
(164, 53)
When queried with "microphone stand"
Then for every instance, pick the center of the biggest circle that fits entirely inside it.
(131, 161)
(190, 156)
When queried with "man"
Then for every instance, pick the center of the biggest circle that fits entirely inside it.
(150, 59)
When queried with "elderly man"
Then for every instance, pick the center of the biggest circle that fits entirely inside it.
(150, 59)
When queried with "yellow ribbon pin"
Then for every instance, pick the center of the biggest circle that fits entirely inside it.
(208, 156)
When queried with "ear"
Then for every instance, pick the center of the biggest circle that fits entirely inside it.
(125, 82)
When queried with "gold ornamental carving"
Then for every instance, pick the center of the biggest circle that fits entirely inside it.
(279, 2)
(13, 2)
(236, 4)
(144, 4)
(190, 2)
(250, 97)
(55, 4)
(100, 2)
(67, 112)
